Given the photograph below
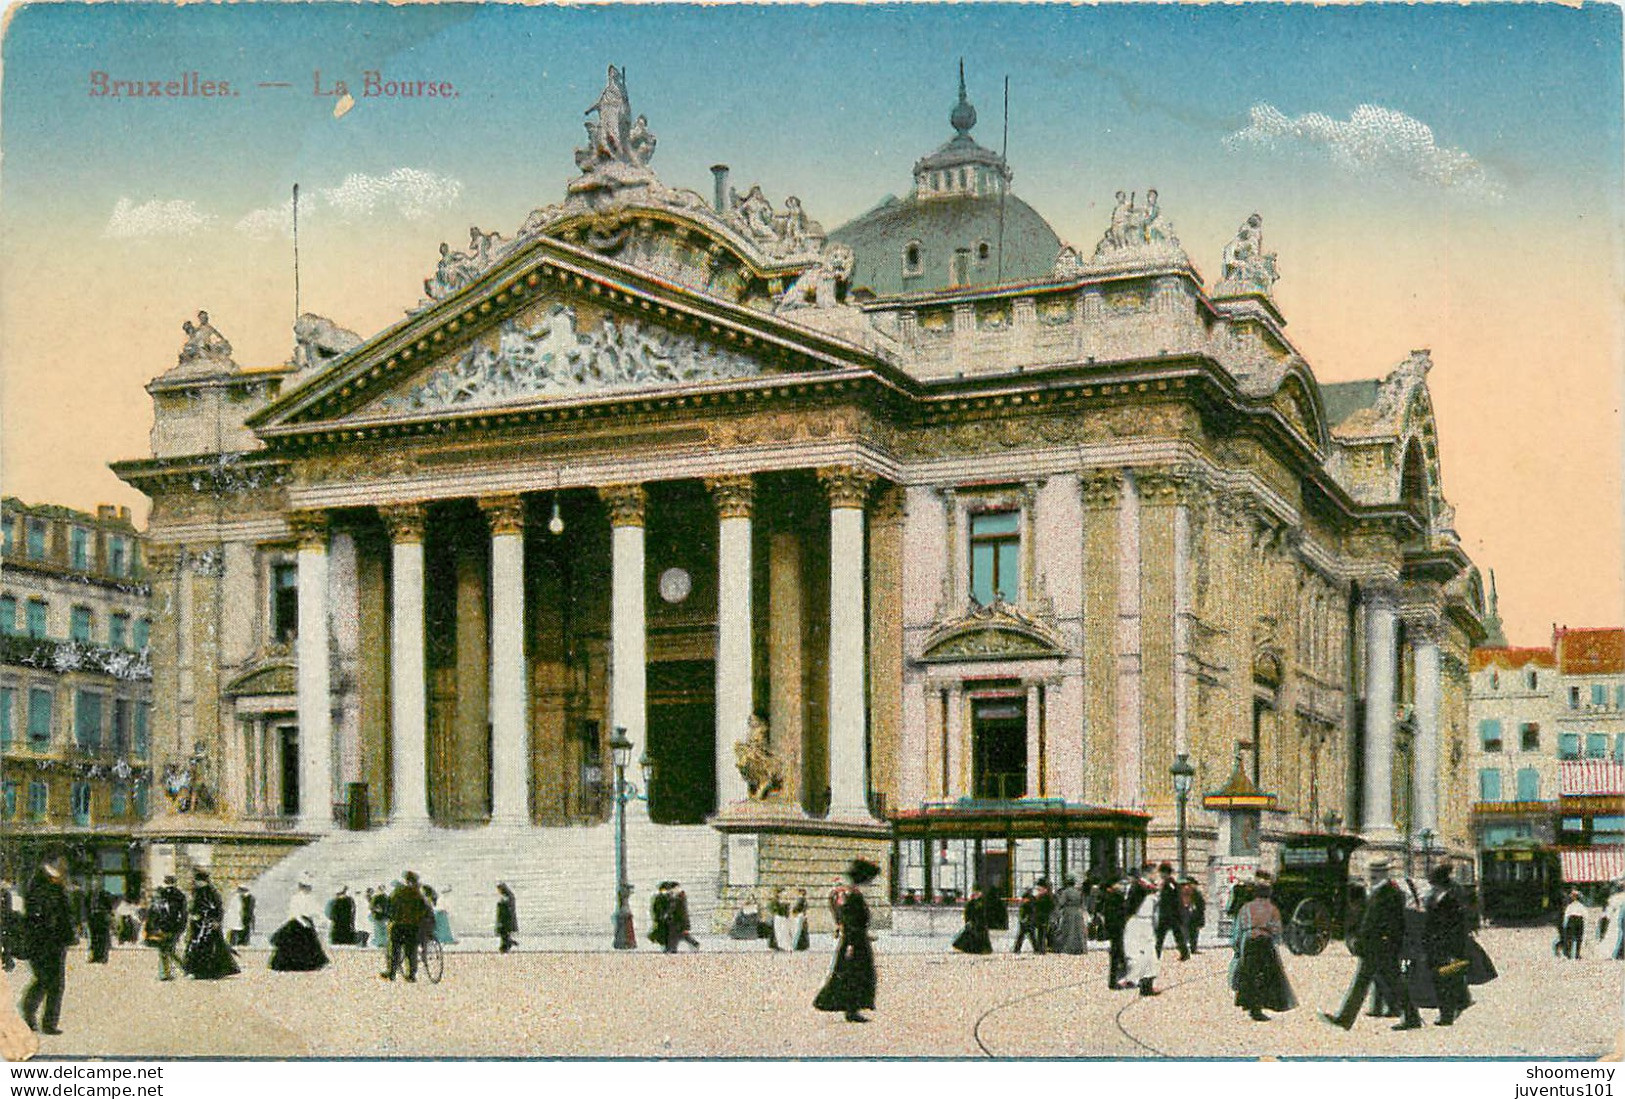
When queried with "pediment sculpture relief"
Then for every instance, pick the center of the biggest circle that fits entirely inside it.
(554, 358)
(997, 631)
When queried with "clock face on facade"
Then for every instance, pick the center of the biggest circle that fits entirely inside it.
(675, 584)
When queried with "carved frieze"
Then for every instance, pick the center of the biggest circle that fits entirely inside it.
(1102, 489)
(998, 631)
(554, 358)
(625, 503)
(1166, 485)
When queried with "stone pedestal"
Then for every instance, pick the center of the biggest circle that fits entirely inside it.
(774, 845)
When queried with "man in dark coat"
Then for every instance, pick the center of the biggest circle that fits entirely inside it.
(1043, 912)
(677, 923)
(1027, 922)
(507, 916)
(8, 924)
(660, 918)
(100, 922)
(1381, 939)
(1444, 939)
(1113, 909)
(1168, 916)
(166, 920)
(48, 931)
(408, 910)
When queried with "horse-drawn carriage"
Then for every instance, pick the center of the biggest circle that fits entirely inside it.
(1312, 890)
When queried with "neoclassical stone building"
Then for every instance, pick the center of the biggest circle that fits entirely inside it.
(977, 552)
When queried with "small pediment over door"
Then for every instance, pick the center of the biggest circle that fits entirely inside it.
(995, 632)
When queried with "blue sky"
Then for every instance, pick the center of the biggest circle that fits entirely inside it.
(1442, 176)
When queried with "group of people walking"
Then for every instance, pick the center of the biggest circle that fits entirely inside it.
(1609, 923)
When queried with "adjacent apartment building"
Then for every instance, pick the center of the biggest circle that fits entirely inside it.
(1550, 724)
(75, 691)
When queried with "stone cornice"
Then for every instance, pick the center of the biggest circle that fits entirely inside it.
(309, 528)
(626, 504)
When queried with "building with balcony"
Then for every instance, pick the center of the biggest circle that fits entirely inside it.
(1545, 719)
(947, 573)
(75, 692)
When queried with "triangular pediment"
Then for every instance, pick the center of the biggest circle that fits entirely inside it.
(553, 321)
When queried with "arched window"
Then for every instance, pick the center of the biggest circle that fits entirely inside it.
(911, 258)
(983, 251)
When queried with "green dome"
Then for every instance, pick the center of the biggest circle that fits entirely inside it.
(960, 226)
(931, 231)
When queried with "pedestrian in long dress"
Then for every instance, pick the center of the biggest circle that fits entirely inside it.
(296, 947)
(1071, 935)
(1379, 942)
(1140, 938)
(677, 931)
(207, 957)
(1260, 980)
(973, 937)
(341, 918)
(378, 914)
(851, 985)
(790, 926)
(234, 920)
(48, 930)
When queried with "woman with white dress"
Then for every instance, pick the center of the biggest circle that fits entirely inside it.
(296, 947)
(1140, 938)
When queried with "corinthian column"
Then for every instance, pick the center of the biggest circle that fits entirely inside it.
(1378, 811)
(733, 496)
(314, 690)
(848, 490)
(628, 699)
(510, 730)
(408, 702)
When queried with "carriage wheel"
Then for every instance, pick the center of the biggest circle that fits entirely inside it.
(1310, 929)
(434, 961)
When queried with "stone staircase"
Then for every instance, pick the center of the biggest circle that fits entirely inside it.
(563, 878)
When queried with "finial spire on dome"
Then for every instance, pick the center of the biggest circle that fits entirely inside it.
(963, 116)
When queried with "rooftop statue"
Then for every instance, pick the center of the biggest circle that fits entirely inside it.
(818, 286)
(619, 146)
(203, 341)
(318, 342)
(1137, 232)
(1248, 269)
(457, 269)
(780, 235)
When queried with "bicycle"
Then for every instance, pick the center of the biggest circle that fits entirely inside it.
(433, 958)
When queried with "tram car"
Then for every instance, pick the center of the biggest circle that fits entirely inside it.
(1312, 890)
(1520, 883)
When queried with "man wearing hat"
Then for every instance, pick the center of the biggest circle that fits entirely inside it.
(408, 909)
(166, 919)
(1379, 942)
(48, 925)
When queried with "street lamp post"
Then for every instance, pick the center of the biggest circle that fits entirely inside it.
(1427, 850)
(620, 747)
(1183, 774)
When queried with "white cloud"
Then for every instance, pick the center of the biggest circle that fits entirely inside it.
(1373, 141)
(409, 192)
(176, 217)
(271, 221)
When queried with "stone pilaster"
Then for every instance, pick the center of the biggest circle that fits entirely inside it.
(886, 518)
(1102, 491)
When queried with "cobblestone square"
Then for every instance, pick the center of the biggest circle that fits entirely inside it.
(723, 1002)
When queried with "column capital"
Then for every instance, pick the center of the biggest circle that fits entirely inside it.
(847, 486)
(733, 493)
(625, 502)
(309, 528)
(161, 558)
(506, 514)
(891, 505)
(1102, 488)
(405, 522)
(1177, 484)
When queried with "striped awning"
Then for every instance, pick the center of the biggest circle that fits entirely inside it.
(1593, 864)
(1591, 778)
